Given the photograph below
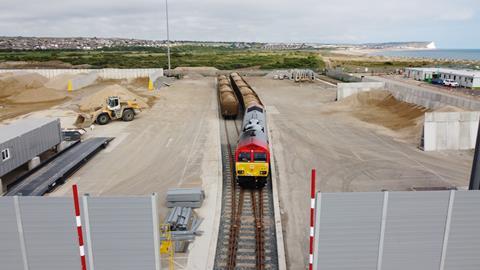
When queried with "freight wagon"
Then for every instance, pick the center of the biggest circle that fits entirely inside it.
(25, 139)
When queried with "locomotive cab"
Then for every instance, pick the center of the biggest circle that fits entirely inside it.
(252, 164)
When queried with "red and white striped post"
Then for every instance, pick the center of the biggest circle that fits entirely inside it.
(312, 218)
(79, 227)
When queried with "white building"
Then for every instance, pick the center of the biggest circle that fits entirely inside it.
(466, 78)
(420, 74)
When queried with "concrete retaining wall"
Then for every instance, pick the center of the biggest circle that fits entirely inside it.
(450, 130)
(106, 73)
(82, 81)
(347, 89)
(424, 97)
(152, 80)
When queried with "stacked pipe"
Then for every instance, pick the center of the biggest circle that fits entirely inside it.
(180, 218)
(300, 75)
(184, 226)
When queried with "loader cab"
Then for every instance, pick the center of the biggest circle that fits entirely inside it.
(113, 103)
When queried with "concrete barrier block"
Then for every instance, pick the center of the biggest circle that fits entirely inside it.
(33, 163)
(430, 141)
(464, 135)
(450, 130)
(453, 135)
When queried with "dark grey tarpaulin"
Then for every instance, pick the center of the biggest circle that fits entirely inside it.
(41, 181)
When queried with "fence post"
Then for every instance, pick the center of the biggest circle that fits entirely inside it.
(312, 217)
(79, 227)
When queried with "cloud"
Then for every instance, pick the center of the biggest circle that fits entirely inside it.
(247, 20)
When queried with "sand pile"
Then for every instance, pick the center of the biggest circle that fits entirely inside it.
(60, 82)
(36, 95)
(97, 100)
(16, 83)
(381, 108)
(141, 82)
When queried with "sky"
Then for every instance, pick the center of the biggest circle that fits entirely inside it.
(451, 24)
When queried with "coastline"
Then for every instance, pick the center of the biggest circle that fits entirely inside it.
(375, 55)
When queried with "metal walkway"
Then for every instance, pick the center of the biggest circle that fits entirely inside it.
(56, 171)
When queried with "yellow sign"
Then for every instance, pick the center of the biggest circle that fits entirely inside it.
(69, 86)
(150, 84)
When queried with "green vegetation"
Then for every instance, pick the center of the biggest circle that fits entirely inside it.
(193, 56)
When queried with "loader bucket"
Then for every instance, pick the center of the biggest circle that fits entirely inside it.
(83, 120)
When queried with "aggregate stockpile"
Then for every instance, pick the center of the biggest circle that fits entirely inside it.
(379, 107)
(27, 88)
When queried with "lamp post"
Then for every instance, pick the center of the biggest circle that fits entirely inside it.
(168, 35)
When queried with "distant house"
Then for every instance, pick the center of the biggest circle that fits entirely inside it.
(466, 78)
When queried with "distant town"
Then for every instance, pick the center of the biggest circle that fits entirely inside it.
(98, 43)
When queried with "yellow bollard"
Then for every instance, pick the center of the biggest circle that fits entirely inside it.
(69, 85)
(150, 84)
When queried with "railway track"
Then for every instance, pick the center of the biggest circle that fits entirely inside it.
(247, 234)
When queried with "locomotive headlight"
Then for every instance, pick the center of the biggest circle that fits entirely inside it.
(240, 171)
(263, 172)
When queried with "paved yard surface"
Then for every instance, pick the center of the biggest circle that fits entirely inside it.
(349, 155)
(174, 144)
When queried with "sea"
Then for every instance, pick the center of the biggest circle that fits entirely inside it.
(451, 54)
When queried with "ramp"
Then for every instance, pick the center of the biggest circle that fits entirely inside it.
(55, 172)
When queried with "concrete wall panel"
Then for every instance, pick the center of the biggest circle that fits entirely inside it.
(425, 97)
(106, 73)
(82, 81)
(450, 130)
(347, 89)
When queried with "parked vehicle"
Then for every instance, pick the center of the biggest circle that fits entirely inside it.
(438, 81)
(451, 83)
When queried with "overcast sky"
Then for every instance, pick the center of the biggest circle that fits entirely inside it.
(451, 24)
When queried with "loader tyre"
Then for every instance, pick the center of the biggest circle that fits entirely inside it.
(103, 119)
(128, 115)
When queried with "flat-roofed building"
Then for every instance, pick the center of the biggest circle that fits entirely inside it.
(465, 77)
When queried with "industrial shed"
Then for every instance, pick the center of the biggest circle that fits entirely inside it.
(25, 139)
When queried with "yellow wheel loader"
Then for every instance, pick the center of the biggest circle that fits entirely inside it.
(114, 109)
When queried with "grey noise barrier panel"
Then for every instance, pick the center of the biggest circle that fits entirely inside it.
(420, 230)
(40, 233)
